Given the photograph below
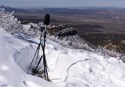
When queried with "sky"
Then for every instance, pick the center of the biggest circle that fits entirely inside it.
(62, 3)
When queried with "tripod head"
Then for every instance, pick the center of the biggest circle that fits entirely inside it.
(46, 19)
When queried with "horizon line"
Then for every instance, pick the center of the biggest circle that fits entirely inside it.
(63, 7)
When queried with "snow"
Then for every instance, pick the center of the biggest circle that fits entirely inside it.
(86, 69)
(11, 75)
(67, 67)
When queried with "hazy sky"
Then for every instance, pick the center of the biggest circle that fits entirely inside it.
(62, 3)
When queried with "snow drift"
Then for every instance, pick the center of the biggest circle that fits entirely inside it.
(11, 75)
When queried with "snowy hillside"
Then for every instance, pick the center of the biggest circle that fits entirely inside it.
(67, 67)
(11, 75)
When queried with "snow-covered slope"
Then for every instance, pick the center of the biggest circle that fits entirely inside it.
(80, 68)
(11, 75)
(67, 67)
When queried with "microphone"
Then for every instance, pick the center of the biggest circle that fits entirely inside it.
(46, 19)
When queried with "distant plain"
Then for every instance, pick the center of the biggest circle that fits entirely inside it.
(99, 26)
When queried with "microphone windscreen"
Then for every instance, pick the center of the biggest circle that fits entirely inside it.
(46, 19)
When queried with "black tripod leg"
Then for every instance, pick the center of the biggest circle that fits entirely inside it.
(34, 56)
(37, 65)
(37, 53)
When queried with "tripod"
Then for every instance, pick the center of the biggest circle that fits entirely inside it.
(38, 60)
